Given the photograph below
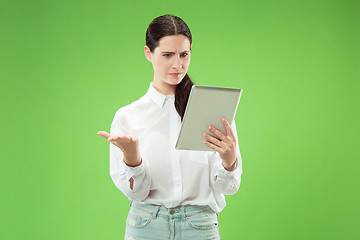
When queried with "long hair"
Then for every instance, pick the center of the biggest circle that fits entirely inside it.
(168, 25)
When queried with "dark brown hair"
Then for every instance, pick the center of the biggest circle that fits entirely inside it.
(168, 25)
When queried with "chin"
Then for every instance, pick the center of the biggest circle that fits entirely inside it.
(174, 81)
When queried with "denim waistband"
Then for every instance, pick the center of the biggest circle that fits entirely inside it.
(175, 212)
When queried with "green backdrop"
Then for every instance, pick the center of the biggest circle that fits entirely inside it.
(68, 65)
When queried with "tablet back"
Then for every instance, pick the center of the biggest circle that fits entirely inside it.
(206, 106)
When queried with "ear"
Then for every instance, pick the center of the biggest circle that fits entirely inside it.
(190, 46)
(147, 53)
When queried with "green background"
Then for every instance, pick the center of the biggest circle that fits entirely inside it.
(67, 66)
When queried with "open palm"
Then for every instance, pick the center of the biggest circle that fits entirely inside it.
(128, 144)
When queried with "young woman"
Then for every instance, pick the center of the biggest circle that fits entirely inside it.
(175, 194)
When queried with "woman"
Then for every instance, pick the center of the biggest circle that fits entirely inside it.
(175, 194)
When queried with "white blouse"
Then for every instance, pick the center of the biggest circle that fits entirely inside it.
(167, 176)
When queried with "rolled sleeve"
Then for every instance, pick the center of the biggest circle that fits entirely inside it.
(225, 174)
(222, 180)
(121, 173)
(140, 177)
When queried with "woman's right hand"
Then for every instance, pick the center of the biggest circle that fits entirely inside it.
(128, 144)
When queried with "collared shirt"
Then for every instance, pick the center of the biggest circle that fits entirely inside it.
(167, 176)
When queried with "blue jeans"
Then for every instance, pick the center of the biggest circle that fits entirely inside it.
(156, 222)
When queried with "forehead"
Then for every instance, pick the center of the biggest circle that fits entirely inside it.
(174, 43)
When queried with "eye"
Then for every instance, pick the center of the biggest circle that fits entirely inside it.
(167, 55)
(184, 54)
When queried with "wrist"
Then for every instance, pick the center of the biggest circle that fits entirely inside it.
(230, 167)
(132, 160)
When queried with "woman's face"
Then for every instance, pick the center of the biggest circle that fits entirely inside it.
(171, 56)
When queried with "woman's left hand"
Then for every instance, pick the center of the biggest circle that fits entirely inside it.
(225, 145)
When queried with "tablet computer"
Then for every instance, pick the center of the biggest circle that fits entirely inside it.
(206, 106)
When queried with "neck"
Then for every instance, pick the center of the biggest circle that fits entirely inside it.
(164, 88)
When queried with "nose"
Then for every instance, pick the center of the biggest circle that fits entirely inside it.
(177, 63)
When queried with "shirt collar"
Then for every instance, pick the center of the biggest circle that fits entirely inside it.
(158, 97)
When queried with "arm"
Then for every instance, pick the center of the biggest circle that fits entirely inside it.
(227, 180)
(132, 180)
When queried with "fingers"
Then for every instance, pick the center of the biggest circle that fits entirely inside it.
(213, 146)
(228, 129)
(214, 140)
(115, 138)
(218, 133)
(122, 138)
(108, 136)
(133, 138)
(103, 134)
(224, 141)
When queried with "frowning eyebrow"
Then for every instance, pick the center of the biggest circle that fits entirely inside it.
(174, 52)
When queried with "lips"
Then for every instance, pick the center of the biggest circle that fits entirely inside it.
(175, 74)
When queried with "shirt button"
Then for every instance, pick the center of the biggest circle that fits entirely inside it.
(172, 211)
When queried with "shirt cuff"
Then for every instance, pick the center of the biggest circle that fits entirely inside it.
(133, 171)
(223, 173)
